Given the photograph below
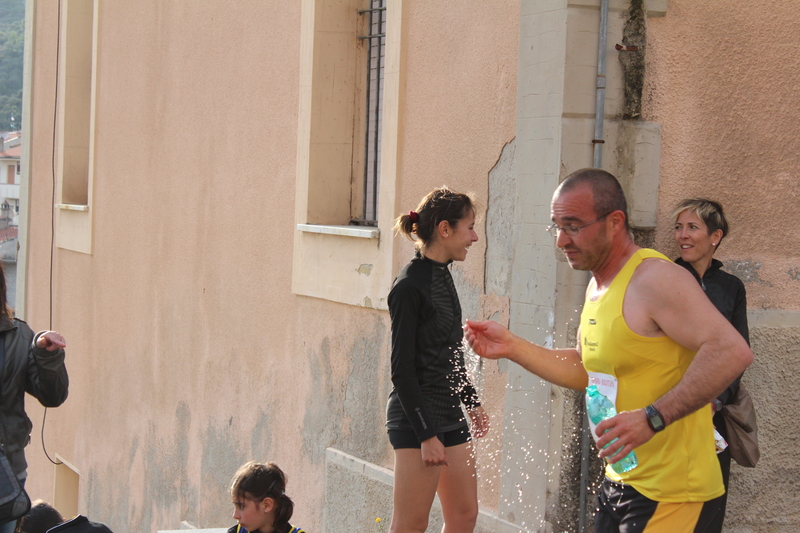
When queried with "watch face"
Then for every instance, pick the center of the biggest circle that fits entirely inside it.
(654, 418)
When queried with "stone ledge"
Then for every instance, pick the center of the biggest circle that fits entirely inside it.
(773, 318)
(488, 521)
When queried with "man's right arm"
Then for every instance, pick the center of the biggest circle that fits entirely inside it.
(560, 367)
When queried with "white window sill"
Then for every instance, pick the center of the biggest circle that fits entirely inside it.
(363, 232)
(73, 207)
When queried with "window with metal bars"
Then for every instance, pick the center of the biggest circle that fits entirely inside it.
(375, 16)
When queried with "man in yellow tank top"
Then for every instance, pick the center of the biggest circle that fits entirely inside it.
(648, 332)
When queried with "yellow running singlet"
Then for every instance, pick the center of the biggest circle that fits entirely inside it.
(678, 464)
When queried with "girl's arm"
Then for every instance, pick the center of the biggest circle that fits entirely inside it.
(404, 307)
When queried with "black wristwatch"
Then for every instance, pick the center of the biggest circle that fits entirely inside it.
(654, 419)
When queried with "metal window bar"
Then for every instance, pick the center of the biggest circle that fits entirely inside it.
(374, 107)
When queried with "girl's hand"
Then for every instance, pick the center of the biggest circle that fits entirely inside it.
(480, 421)
(50, 341)
(433, 453)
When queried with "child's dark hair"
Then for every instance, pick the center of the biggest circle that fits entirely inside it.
(5, 309)
(256, 481)
(440, 204)
(41, 517)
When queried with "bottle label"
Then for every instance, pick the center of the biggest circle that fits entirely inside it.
(607, 386)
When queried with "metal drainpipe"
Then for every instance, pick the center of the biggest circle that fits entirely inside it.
(600, 105)
(598, 141)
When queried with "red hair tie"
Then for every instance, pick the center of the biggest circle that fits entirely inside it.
(414, 216)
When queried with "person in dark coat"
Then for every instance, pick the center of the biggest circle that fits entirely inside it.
(39, 519)
(700, 226)
(28, 363)
(44, 518)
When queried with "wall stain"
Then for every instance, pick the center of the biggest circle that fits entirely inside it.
(348, 420)
(220, 459)
(322, 419)
(634, 38)
(747, 271)
(368, 385)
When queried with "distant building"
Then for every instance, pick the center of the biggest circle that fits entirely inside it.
(10, 152)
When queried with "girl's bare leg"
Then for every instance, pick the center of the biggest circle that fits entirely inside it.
(458, 490)
(414, 489)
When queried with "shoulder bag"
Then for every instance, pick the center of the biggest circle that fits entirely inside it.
(740, 420)
(14, 501)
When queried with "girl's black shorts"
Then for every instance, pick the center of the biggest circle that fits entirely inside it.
(406, 438)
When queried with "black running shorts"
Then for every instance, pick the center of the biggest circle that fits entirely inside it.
(406, 438)
(621, 508)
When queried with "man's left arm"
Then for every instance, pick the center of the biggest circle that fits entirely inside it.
(679, 309)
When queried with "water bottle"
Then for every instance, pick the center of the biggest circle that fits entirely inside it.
(599, 408)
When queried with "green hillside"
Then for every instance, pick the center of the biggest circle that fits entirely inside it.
(12, 31)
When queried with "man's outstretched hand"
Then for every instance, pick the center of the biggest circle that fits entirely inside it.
(488, 338)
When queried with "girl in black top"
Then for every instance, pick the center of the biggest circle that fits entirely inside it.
(700, 226)
(425, 421)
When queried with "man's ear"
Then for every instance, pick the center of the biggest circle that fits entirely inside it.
(617, 218)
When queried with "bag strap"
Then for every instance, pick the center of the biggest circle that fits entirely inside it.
(2, 372)
(2, 358)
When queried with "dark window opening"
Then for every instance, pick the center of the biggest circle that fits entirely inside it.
(374, 108)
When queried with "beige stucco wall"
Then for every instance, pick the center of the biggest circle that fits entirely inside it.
(187, 350)
(720, 80)
(726, 106)
(460, 105)
(167, 320)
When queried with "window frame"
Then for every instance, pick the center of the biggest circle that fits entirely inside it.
(331, 259)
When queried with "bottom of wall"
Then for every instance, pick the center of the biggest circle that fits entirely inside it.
(358, 492)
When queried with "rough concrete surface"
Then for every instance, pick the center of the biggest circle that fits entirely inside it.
(765, 499)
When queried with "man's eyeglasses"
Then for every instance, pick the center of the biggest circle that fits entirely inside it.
(553, 229)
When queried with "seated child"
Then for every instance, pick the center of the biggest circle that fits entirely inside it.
(260, 503)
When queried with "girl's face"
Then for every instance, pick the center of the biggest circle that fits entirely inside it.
(692, 238)
(460, 238)
(252, 515)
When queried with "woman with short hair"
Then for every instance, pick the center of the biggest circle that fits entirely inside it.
(700, 225)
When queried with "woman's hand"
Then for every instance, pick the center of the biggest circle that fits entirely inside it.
(480, 421)
(433, 453)
(50, 341)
